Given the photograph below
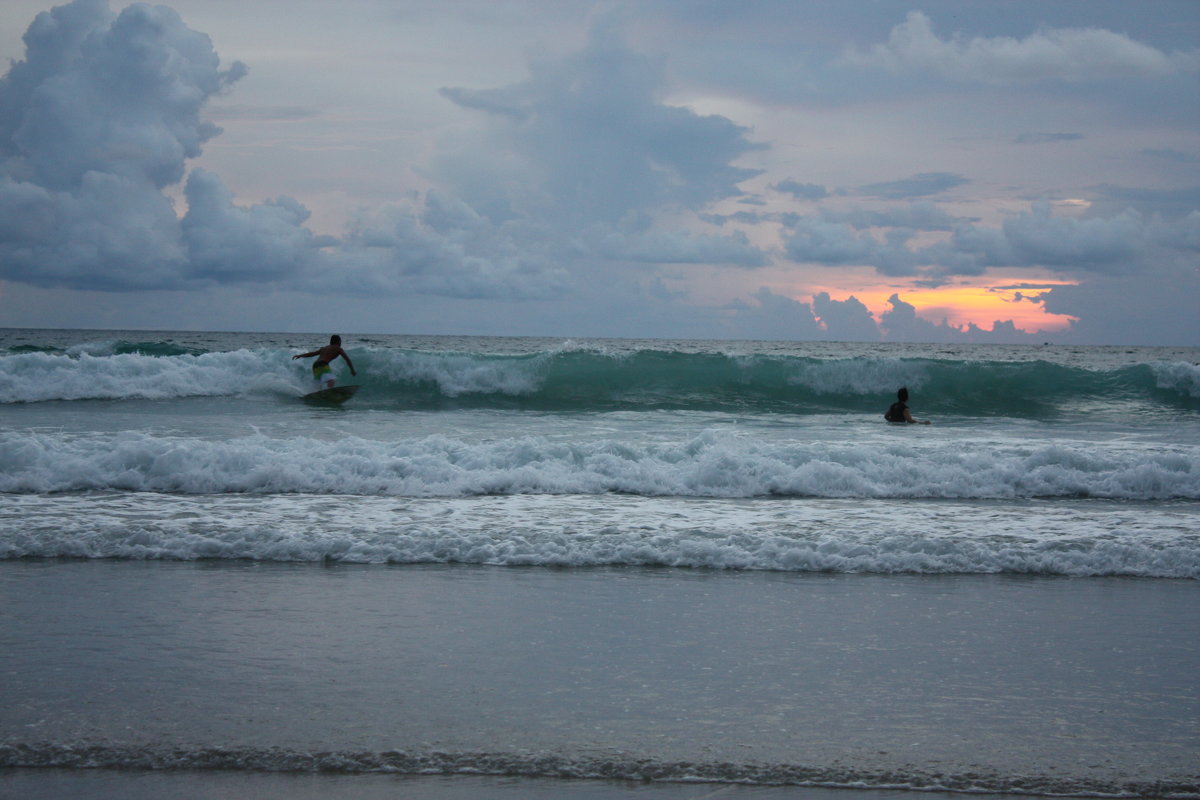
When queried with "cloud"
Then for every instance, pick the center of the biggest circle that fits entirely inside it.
(1171, 204)
(802, 191)
(96, 122)
(1153, 308)
(103, 115)
(774, 316)
(900, 323)
(1123, 245)
(263, 113)
(444, 247)
(1126, 243)
(1169, 154)
(816, 241)
(595, 142)
(1039, 238)
(231, 244)
(920, 216)
(1047, 138)
(1064, 54)
(926, 183)
(124, 99)
(677, 247)
(845, 320)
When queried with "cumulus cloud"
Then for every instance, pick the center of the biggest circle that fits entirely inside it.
(229, 244)
(677, 247)
(600, 143)
(817, 241)
(919, 216)
(444, 247)
(1127, 242)
(775, 316)
(1154, 308)
(803, 191)
(101, 118)
(845, 320)
(831, 242)
(900, 323)
(926, 183)
(1066, 54)
(1171, 204)
(94, 124)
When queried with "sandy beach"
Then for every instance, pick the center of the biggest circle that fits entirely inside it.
(211, 670)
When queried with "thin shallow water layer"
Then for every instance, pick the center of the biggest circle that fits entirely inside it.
(996, 683)
(56, 784)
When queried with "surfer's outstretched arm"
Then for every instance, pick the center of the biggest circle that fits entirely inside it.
(349, 363)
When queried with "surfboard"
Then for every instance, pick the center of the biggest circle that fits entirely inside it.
(336, 395)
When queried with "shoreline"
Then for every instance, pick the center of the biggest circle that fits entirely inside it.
(1009, 683)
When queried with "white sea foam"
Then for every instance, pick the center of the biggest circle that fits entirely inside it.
(614, 530)
(1179, 376)
(711, 464)
(860, 375)
(459, 374)
(36, 377)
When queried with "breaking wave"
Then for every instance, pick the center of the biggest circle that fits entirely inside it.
(714, 463)
(588, 379)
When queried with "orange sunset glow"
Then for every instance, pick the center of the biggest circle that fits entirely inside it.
(962, 305)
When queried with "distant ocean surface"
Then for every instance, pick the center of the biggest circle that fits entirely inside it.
(717, 525)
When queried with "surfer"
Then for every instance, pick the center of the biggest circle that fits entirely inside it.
(322, 372)
(898, 411)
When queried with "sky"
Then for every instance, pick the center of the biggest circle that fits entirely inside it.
(864, 170)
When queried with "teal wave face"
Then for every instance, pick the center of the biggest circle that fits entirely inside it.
(668, 380)
(161, 349)
(591, 380)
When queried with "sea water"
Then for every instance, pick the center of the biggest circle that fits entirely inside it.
(650, 560)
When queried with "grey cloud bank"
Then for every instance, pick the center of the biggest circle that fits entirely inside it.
(1070, 54)
(559, 204)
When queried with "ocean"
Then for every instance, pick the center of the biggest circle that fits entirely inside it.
(516, 567)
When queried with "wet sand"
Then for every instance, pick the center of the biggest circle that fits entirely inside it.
(997, 682)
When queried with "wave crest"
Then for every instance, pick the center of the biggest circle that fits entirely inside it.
(575, 379)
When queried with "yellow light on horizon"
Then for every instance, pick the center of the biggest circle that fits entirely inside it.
(964, 304)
